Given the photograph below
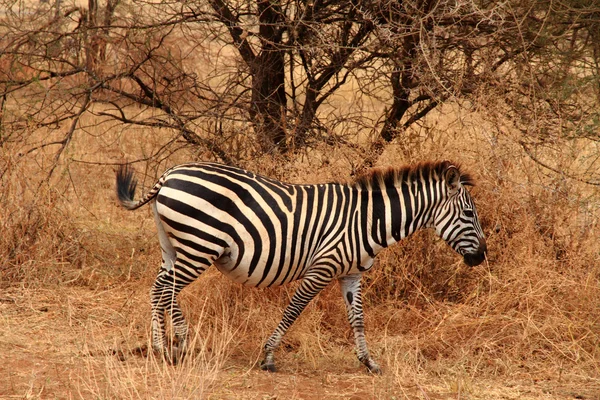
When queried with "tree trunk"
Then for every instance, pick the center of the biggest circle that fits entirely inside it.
(402, 81)
(268, 81)
(399, 107)
(309, 110)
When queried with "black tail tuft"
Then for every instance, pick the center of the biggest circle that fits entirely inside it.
(126, 184)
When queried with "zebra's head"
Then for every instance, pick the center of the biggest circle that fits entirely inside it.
(456, 219)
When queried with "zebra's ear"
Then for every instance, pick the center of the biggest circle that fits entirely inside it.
(452, 179)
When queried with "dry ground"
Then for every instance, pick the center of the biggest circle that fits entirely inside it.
(81, 343)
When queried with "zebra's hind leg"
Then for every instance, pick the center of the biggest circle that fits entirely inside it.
(311, 285)
(164, 293)
(350, 286)
(179, 269)
(159, 292)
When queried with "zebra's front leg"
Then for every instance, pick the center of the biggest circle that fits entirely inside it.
(311, 285)
(350, 286)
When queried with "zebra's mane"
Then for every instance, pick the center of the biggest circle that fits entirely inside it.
(392, 176)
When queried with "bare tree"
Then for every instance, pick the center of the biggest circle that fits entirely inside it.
(315, 40)
(210, 71)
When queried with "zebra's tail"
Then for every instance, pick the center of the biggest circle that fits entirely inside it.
(126, 184)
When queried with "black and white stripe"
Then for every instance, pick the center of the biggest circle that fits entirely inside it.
(262, 232)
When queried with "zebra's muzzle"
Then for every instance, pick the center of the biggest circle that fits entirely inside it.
(476, 258)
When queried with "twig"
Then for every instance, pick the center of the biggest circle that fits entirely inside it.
(69, 136)
(555, 170)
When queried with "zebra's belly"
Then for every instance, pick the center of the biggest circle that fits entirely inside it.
(266, 273)
(364, 266)
(256, 274)
(237, 273)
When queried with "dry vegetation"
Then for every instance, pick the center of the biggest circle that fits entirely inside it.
(516, 107)
(76, 270)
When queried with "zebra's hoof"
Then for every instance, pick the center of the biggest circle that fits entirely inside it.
(373, 367)
(162, 355)
(173, 356)
(269, 367)
(177, 355)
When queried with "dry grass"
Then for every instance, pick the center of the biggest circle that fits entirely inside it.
(76, 270)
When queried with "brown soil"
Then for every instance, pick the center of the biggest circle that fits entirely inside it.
(76, 343)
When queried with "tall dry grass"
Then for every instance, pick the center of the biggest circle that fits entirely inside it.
(130, 371)
(530, 312)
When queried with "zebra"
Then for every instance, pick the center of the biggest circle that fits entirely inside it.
(264, 233)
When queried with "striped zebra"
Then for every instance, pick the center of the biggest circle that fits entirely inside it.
(262, 232)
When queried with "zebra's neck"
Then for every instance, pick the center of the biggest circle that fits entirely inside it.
(394, 213)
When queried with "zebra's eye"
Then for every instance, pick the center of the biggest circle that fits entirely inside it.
(469, 213)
